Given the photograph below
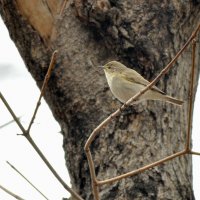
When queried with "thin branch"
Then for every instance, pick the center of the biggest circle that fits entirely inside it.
(194, 153)
(12, 113)
(72, 192)
(28, 137)
(95, 187)
(26, 133)
(118, 111)
(13, 167)
(142, 169)
(46, 79)
(149, 86)
(11, 193)
(91, 163)
(8, 123)
(190, 102)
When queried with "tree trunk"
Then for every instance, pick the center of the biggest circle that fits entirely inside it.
(144, 35)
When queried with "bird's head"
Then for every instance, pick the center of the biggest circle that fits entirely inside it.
(114, 67)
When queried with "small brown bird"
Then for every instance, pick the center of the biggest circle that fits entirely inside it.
(124, 83)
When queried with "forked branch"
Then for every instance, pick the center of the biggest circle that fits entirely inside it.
(26, 133)
(46, 79)
(95, 182)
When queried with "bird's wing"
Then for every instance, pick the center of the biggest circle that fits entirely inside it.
(133, 76)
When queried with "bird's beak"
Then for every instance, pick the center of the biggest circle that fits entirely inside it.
(101, 66)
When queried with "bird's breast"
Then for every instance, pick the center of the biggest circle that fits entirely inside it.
(122, 89)
(109, 79)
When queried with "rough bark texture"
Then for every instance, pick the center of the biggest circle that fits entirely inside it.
(144, 35)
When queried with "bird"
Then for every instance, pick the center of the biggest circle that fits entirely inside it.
(124, 83)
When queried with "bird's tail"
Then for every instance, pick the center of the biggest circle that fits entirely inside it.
(174, 100)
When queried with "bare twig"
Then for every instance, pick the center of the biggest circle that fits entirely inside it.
(72, 192)
(190, 102)
(12, 113)
(149, 86)
(13, 167)
(11, 193)
(194, 153)
(46, 79)
(95, 188)
(142, 169)
(95, 182)
(26, 133)
(8, 123)
(28, 137)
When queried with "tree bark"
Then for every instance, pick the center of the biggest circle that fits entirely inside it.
(144, 35)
